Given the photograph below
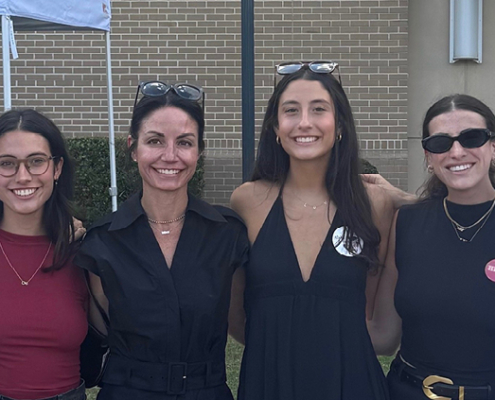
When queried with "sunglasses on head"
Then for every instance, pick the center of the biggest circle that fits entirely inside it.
(469, 139)
(318, 67)
(157, 88)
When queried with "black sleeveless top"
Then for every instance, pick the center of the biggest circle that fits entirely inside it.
(306, 340)
(443, 294)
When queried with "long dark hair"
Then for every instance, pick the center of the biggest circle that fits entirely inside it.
(434, 187)
(149, 104)
(342, 178)
(57, 211)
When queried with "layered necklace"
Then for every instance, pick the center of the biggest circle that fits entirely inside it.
(458, 228)
(170, 221)
(25, 282)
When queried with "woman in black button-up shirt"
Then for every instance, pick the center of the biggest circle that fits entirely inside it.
(163, 263)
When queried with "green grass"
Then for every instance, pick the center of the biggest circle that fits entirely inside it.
(385, 363)
(233, 363)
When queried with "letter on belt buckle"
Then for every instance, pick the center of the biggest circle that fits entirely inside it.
(432, 379)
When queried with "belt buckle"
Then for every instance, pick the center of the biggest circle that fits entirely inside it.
(177, 373)
(431, 380)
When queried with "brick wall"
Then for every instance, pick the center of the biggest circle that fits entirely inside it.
(63, 74)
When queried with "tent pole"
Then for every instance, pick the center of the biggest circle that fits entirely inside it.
(111, 126)
(7, 94)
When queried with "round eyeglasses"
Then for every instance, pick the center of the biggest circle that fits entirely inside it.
(36, 165)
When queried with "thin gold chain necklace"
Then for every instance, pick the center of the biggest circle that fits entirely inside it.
(23, 282)
(166, 232)
(472, 237)
(315, 207)
(457, 225)
(307, 205)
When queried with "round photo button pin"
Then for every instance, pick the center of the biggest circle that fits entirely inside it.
(339, 238)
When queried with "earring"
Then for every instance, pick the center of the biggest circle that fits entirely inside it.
(277, 139)
(339, 137)
(430, 169)
(55, 181)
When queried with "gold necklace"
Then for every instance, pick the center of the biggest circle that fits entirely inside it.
(315, 207)
(166, 232)
(306, 204)
(23, 282)
(457, 225)
(475, 233)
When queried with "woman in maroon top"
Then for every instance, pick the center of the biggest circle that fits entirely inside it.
(43, 296)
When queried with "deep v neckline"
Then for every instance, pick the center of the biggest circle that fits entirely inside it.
(293, 249)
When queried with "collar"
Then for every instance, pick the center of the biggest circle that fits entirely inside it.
(131, 210)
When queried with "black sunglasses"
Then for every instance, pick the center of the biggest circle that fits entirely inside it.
(318, 67)
(469, 139)
(158, 88)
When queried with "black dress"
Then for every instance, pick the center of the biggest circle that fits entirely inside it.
(168, 327)
(306, 340)
(444, 297)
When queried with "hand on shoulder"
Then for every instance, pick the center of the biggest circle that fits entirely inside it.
(79, 229)
(398, 197)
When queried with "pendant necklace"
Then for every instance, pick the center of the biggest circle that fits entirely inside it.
(472, 237)
(459, 228)
(166, 231)
(23, 282)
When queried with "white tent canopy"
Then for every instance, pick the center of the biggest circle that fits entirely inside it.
(71, 14)
(36, 15)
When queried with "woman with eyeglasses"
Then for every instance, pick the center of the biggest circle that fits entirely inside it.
(316, 247)
(43, 296)
(163, 263)
(440, 268)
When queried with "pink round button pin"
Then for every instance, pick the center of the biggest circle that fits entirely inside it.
(490, 270)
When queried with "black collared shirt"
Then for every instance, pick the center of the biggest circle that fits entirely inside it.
(159, 314)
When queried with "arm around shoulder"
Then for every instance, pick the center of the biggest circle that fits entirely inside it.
(385, 325)
(382, 213)
(98, 306)
(237, 315)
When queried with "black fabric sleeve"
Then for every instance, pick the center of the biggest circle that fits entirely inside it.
(84, 258)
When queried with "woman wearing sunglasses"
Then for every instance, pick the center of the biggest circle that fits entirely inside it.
(163, 263)
(441, 265)
(315, 246)
(43, 296)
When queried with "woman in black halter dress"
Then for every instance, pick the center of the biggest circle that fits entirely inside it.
(314, 241)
